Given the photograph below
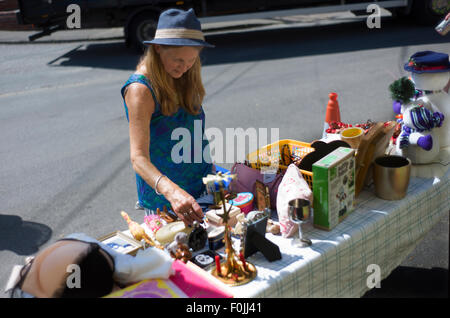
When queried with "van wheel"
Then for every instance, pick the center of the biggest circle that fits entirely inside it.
(142, 27)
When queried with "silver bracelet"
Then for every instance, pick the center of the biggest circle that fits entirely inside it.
(156, 184)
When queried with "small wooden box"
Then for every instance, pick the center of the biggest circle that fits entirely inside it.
(217, 220)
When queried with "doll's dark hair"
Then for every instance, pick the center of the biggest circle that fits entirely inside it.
(96, 275)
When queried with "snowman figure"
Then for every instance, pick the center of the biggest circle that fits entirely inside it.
(430, 73)
(418, 139)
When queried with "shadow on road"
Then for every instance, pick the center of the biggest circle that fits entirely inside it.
(22, 237)
(412, 282)
(257, 45)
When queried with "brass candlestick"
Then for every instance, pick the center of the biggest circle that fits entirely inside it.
(233, 271)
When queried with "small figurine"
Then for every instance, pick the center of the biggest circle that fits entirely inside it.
(182, 253)
(241, 223)
(181, 238)
(273, 227)
(137, 231)
(179, 249)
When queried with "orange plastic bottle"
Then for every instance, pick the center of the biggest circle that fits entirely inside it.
(333, 113)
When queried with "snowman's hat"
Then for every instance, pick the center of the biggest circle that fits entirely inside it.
(428, 62)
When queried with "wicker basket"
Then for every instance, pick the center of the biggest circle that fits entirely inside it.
(272, 154)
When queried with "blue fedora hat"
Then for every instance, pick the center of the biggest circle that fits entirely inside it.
(428, 62)
(179, 27)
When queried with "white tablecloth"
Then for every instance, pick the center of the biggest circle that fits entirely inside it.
(377, 232)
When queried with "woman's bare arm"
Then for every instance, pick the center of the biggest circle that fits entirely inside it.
(140, 109)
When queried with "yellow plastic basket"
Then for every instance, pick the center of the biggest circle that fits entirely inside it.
(272, 155)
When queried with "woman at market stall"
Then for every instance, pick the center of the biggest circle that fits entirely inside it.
(162, 98)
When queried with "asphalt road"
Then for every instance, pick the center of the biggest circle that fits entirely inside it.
(64, 147)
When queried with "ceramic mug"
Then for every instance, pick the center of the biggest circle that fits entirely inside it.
(391, 176)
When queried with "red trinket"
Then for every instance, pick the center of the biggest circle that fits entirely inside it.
(241, 256)
(217, 258)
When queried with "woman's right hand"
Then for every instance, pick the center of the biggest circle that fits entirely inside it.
(183, 204)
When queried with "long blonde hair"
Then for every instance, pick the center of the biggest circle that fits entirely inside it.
(186, 92)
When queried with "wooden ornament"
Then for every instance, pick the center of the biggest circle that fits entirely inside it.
(364, 157)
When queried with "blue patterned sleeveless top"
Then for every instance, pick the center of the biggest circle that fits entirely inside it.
(184, 169)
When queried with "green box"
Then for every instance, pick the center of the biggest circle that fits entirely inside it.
(334, 187)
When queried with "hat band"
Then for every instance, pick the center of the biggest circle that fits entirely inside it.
(418, 67)
(429, 68)
(179, 33)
